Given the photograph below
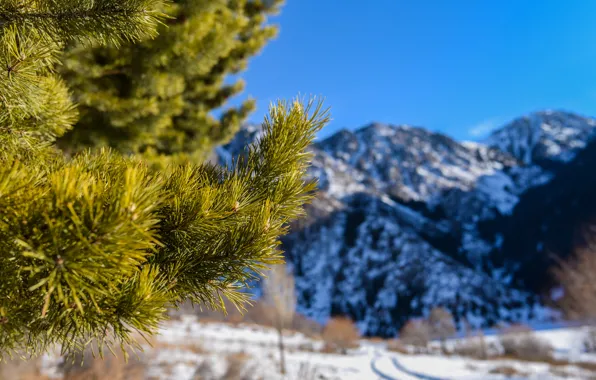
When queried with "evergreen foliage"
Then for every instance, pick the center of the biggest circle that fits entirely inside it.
(94, 247)
(157, 97)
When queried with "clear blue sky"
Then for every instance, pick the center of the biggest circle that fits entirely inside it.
(456, 66)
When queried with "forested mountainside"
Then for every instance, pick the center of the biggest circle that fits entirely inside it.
(407, 219)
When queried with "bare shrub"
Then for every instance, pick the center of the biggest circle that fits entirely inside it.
(236, 367)
(589, 341)
(84, 366)
(473, 347)
(507, 371)
(260, 313)
(186, 345)
(340, 334)
(576, 278)
(562, 373)
(204, 371)
(306, 326)
(280, 295)
(520, 342)
(416, 333)
(441, 325)
(19, 369)
(396, 345)
(307, 371)
(306, 347)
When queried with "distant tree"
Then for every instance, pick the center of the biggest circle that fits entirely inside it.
(441, 324)
(280, 296)
(416, 333)
(341, 333)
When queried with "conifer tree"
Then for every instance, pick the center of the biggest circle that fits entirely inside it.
(95, 246)
(157, 97)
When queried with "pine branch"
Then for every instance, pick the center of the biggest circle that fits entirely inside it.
(98, 246)
(105, 21)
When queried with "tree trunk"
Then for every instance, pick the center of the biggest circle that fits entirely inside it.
(282, 359)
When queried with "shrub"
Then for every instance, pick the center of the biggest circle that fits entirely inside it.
(308, 371)
(441, 324)
(589, 341)
(520, 342)
(473, 347)
(415, 333)
(236, 367)
(341, 333)
(396, 345)
(204, 371)
(507, 370)
(21, 370)
(307, 326)
(84, 366)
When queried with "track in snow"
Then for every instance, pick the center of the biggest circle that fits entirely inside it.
(381, 375)
(403, 369)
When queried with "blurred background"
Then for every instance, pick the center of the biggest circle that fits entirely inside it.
(452, 236)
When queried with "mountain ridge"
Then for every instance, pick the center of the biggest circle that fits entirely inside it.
(407, 219)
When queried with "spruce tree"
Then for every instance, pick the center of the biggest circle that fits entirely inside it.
(96, 246)
(157, 97)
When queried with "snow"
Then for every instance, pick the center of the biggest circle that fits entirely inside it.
(548, 134)
(187, 344)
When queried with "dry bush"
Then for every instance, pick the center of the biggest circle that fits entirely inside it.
(84, 367)
(441, 325)
(396, 345)
(341, 333)
(589, 341)
(519, 341)
(306, 347)
(474, 347)
(236, 367)
(507, 371)
(375, 340)
(328, 349)
(307, 371)
(415, 333)
(260, 313)
(307, 326)
(192, 346)
(204, 371)
(19, 369)
(576, 277)
(562, 373)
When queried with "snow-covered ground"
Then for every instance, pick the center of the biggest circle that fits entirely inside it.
(189, 349)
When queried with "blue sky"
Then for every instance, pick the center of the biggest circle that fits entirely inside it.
(460, 67)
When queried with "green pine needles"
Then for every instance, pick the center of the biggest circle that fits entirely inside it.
(95, 246)
(156, 97)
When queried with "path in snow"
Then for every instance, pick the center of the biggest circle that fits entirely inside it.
(387, 367)
(420, 376)
(381, 375)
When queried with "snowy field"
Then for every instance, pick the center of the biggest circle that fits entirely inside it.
(189, 349)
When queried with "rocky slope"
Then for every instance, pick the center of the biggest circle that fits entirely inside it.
(407, 219)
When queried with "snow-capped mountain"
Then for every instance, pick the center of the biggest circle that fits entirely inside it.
(544, 136)
(407, 219)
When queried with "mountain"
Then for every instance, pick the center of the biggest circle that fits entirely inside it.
(407, 219)
(544, 136)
